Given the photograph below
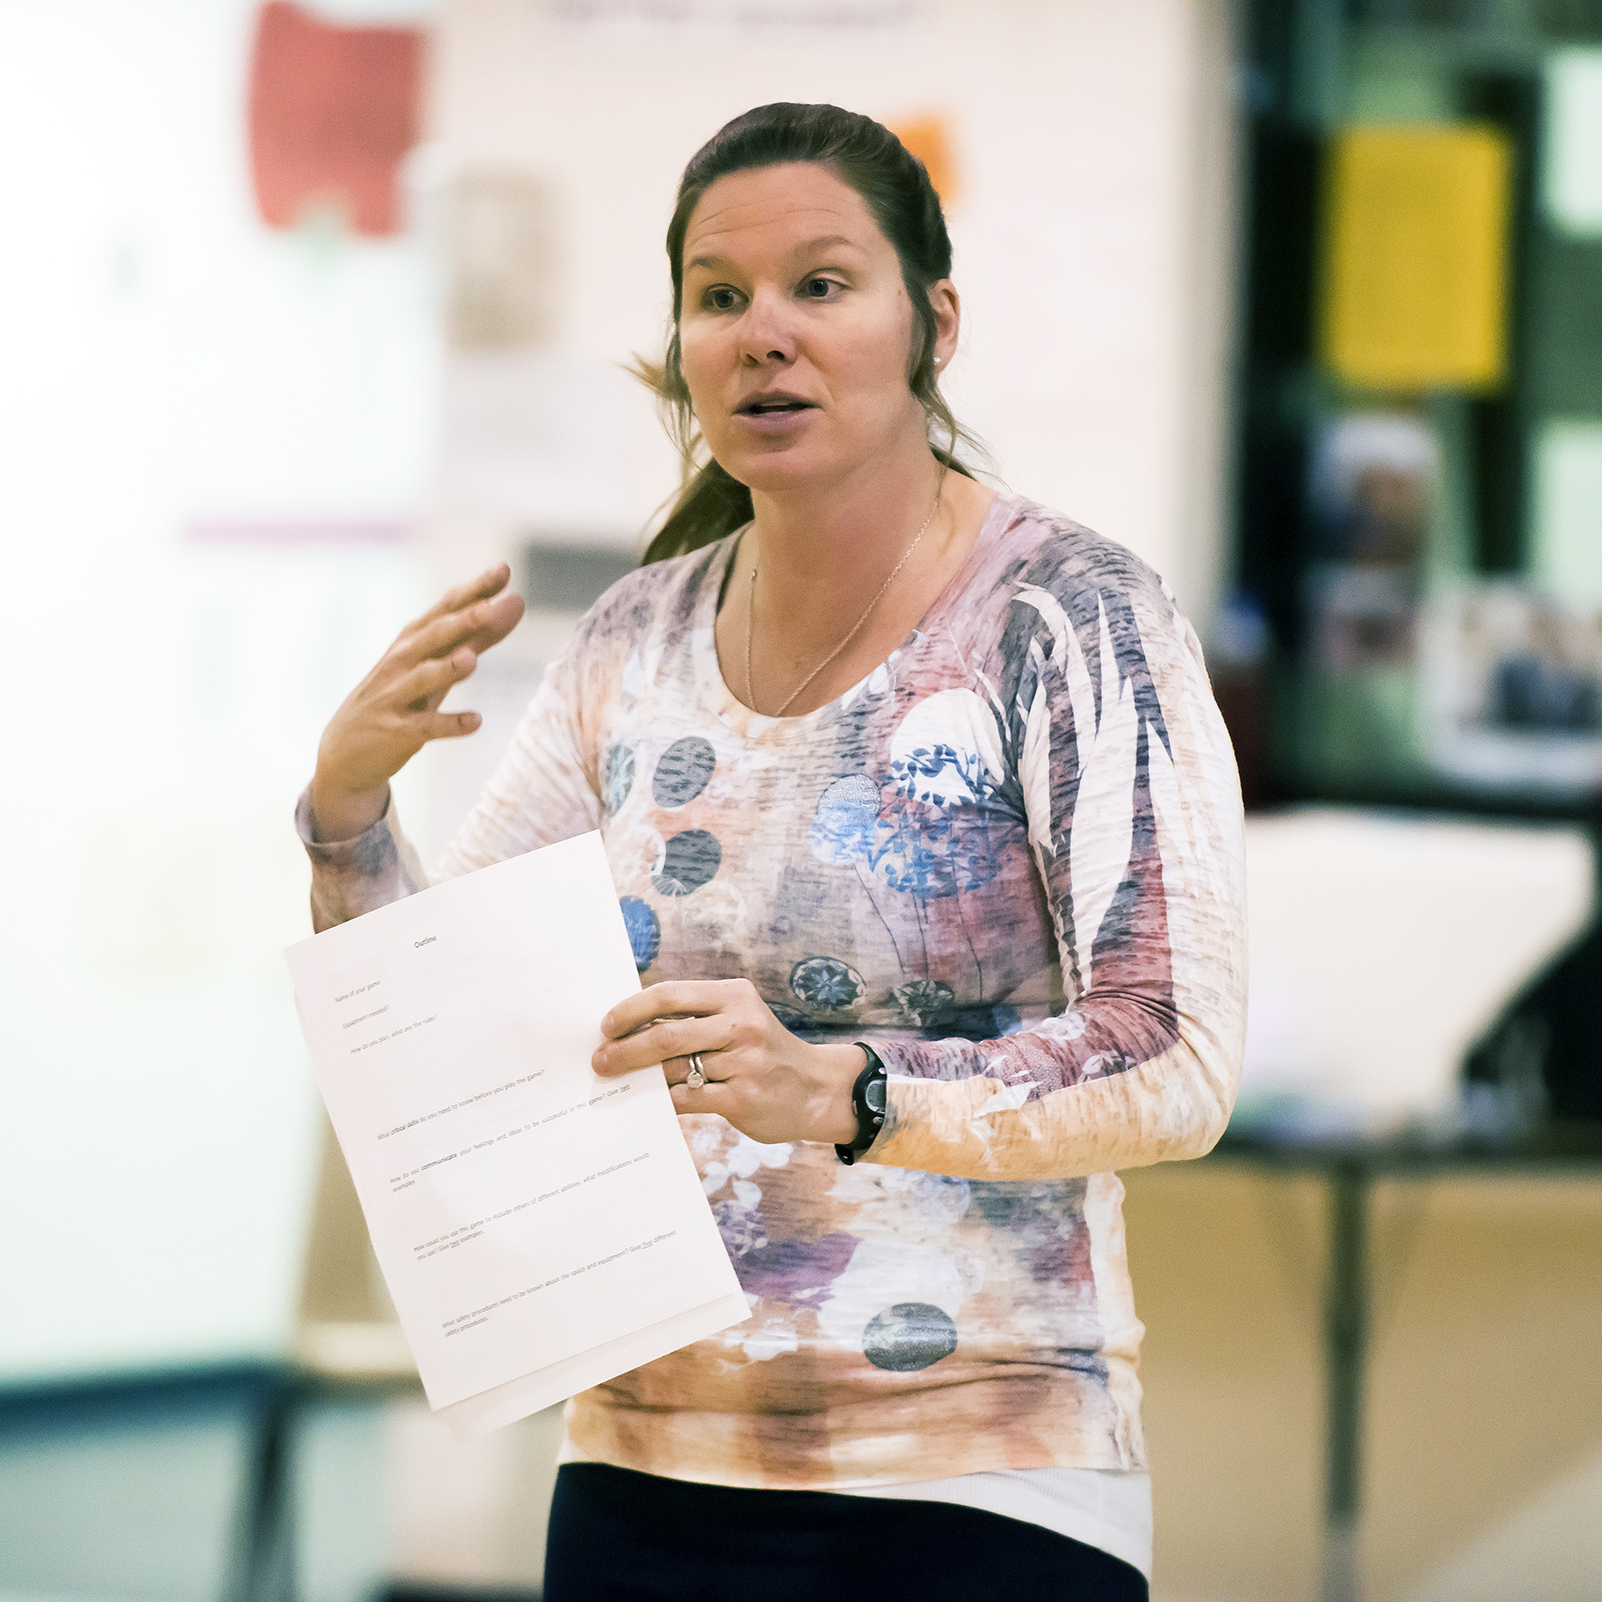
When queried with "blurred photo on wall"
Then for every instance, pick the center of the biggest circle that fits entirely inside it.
(1514, 689)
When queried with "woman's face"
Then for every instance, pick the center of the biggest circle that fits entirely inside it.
(795, 329)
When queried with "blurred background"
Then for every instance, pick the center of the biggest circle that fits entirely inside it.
(308, 310)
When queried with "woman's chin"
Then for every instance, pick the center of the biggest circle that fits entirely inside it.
(773, 472)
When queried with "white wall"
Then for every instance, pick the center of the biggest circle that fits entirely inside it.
(169, 362)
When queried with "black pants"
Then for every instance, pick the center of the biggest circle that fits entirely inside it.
(620, 1536)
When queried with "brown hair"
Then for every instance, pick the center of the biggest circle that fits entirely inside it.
(896, 188)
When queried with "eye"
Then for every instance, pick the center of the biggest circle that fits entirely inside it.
(819, 288)
(721, 298)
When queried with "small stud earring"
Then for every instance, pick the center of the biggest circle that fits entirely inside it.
(937, 361)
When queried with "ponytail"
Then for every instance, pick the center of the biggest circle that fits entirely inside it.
(711, 504)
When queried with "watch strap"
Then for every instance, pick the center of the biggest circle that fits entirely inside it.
(868, 1102)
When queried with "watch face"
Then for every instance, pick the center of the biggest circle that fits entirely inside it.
(874, 1095)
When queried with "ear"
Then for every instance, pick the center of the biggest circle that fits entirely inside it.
(948, 320)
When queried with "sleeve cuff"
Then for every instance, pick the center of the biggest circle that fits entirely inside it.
(367, 853)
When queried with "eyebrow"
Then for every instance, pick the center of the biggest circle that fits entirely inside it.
(824, 242)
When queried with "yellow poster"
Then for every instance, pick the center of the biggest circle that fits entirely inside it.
(1416, 264)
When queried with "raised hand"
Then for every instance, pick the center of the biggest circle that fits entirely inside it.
(394, 712)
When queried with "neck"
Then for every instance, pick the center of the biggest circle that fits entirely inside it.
(831, 578)
(818, 544)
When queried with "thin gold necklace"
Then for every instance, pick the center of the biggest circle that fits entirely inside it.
(856, 628)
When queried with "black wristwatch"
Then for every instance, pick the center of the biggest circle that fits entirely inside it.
(868, 1103)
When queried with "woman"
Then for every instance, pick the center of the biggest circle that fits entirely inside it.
(928, 840)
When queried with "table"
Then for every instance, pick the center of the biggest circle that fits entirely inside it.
(1349, 1166)
(262, 1566)
(269, 1399)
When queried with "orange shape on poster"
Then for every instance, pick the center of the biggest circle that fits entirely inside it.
(929, 139)
(332, 111)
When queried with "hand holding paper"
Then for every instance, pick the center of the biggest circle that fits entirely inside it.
(540, 1229)
(767, 1082)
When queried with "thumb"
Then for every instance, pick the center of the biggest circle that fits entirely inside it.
(450, 725)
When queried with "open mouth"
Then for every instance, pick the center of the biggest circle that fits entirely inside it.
(771, 405)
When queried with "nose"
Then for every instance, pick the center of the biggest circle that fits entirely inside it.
(766, 334)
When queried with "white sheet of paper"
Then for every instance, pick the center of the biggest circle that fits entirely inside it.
(540, 1229)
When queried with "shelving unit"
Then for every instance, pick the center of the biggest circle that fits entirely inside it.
(1315, 69)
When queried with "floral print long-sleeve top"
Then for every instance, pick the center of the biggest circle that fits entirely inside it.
(1011, 860)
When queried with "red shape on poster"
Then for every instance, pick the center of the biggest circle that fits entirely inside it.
(333, 110)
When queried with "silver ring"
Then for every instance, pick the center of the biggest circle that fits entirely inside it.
(697, 1075)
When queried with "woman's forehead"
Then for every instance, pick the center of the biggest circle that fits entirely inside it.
(779, 207)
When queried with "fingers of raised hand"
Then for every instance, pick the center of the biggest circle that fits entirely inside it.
(490, 582)
(478, 627)
(495, 620)
(449, 725)
(422, 688)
